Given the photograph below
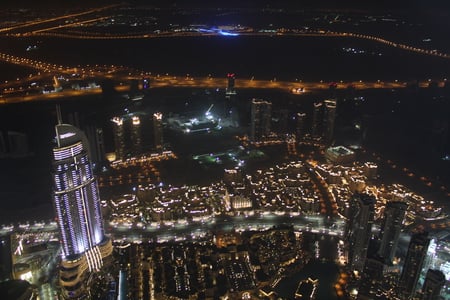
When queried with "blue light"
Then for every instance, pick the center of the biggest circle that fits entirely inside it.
(228, 33)
(205, 30)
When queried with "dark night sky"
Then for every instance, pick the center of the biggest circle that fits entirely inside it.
(360, 4)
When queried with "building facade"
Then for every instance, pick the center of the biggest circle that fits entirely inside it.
(261, 119)
(394, 214)
(300, 126)
(77, 205)
(434, 281)
(329, 117)
(360, 229)
(417, 251)
(158, 131)
(317, 117)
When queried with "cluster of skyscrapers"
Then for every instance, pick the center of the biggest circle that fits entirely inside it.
(324, 116)
(86, 248)
(322, 121)
(373, 267)
(136, 133)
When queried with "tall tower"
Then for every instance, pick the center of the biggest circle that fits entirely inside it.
(329, 117)
(434, 281)
(230, 84)
(360, 229)
(371, 279)
(119, 137)
(96, 143)
(158, 131)
(316, 128)
(300, 126)
(77, 205)
(136, 135)
(261, 118)
(391, 228)
(417, 250)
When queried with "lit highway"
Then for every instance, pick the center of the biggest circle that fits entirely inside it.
(317, 224)
(60, 18)
(20, 90)
(199, 230)
(314, 223)
(213, 83)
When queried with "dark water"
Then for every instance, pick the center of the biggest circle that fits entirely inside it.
(11, 72)
(326, 272)
(307, 58)
(322, 268)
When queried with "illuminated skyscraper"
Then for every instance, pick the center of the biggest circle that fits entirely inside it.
(261, 118)
(434, 281)
(119, 137)
(300, 126)
(230, 84)
(360, 229)
(316, 128)
(158, 131)
(329, 117)
(136, 135)
(324, 116)
(128, 136)
(390, 230)
(417, 250)
(77, 205)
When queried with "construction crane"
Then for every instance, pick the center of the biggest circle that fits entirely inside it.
(209, 109)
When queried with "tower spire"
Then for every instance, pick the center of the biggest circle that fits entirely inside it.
(58, 114)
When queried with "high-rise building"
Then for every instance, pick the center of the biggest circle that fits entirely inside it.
(360, 229)
(6, 262)
(136, 136)
(119, 137)
(323, 119)
(230, 84)
(158, 131)
(329, 117)
(300, 126)
(132, 134)
(316, 127)
(261, 118)
(434, 281)
(96, 143)
(371, 279)
(77, 204)
(394, 214)
(417, 250)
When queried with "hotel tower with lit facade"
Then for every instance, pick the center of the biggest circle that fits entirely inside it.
(77, 204)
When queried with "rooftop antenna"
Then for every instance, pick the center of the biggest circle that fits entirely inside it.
(58, 114)
(59, 118)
